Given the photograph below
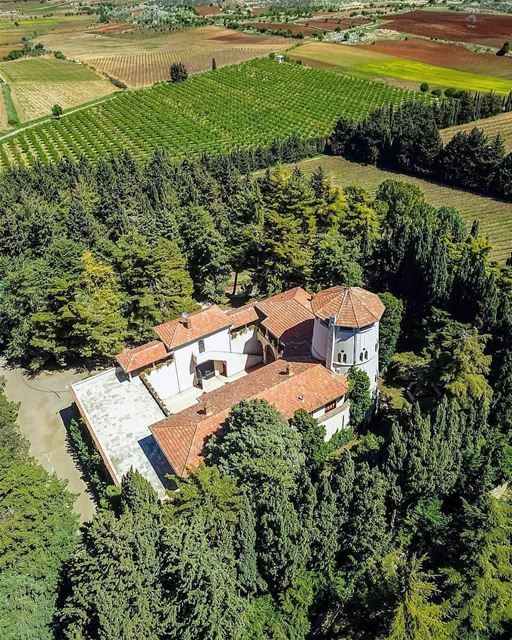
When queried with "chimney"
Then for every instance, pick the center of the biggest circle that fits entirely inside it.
(287, 368)
(186, 320)
(207, 408)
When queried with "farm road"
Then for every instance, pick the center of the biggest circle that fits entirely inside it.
(43, 398)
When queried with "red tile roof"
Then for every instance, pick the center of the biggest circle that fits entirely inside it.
(243, 315)
(350, 306)
(201, 323)
(133, 359)
(181, 437)
(288, 314)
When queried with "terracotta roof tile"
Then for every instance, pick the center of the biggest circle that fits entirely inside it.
(175, 333)
(243, 315)
(288, 314)
(350, 306)
(133, 359)
(310, 386)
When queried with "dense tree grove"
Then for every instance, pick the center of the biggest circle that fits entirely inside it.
(38, 532)
(408, 139)
(400, 528)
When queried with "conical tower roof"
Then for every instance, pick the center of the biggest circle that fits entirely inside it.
(351, 307)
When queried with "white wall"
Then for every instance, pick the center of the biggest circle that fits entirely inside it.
(320, 340)
(353, 343)
(164, 380)
(246, 342)
(183, 357)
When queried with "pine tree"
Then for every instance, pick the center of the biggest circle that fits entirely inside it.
(359, 394)
(100, 604)
(98, 328)
(418, 616)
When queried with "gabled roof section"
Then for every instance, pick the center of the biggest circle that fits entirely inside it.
(132, 359)
(287, 385)
(351, 307)
(288, 315)
(179, 332)
(242, 316)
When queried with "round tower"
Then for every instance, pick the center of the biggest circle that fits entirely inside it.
(346, 330)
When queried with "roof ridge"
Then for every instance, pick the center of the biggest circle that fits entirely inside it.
(190, 448)
(363, 303)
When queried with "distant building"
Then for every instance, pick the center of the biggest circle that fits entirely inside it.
(156, 409)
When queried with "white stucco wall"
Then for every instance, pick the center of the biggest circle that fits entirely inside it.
(246, 342)
(320, 340)
(183, 357)
(353, 343)
(335, 419)
(164, 379)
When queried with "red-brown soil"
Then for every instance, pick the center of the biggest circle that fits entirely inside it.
(483, 29)
(208, 11)
(257, 11)
(445, 55)
(331, 25)
(112, 28)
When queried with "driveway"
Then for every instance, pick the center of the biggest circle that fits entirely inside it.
(45, 403)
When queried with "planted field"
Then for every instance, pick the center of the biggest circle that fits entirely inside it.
(140, 58)
(495, 216)
(490, 30)
(444, 55)
(501, 124)
(367, 62)
(37, 84)
(247, 104)
(35, 27)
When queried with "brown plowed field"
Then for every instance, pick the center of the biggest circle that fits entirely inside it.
(489, 30)
(207, 11)
(445, 55)
(112, 28)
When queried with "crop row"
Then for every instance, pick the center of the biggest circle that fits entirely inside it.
(247, 104)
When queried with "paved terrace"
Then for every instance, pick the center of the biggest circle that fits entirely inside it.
(119, 411)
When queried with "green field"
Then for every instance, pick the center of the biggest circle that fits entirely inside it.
(46, 69)
(243, 105)
(495, 216)
(376, 65)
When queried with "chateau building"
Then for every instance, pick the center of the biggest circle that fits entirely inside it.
(156, 409)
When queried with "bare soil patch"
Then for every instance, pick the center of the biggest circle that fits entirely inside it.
(485, 29)
(208, 11)
(112, 28)
(444, 55)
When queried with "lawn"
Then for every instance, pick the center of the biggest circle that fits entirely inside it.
(248, 104)
(36, 84)
(495, 216)
(374, 64)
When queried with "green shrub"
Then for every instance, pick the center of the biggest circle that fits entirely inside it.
(424, 87)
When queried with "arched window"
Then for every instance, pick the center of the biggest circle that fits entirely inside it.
(344, 358)
(366, 354)
(376, 346)
(339, 357)
(361, 356)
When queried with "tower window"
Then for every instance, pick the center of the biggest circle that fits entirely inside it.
(366, 354)
(344, 357)
(361, 356)
(338, 357)
(200, 344)
(376, 346)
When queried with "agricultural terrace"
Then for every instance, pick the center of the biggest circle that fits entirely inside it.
(142, 57)
(38, 83)
(501, 124)
(495, 216)
(456, 26)
(247, 104)
(369, 63)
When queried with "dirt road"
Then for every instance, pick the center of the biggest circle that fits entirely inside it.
(45, 404)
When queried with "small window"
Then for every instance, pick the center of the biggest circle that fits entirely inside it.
(339, 357)
(361, 356)
(330, 406)
(366, 354)
(344, 358)
(376, 347)
(201, 345)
